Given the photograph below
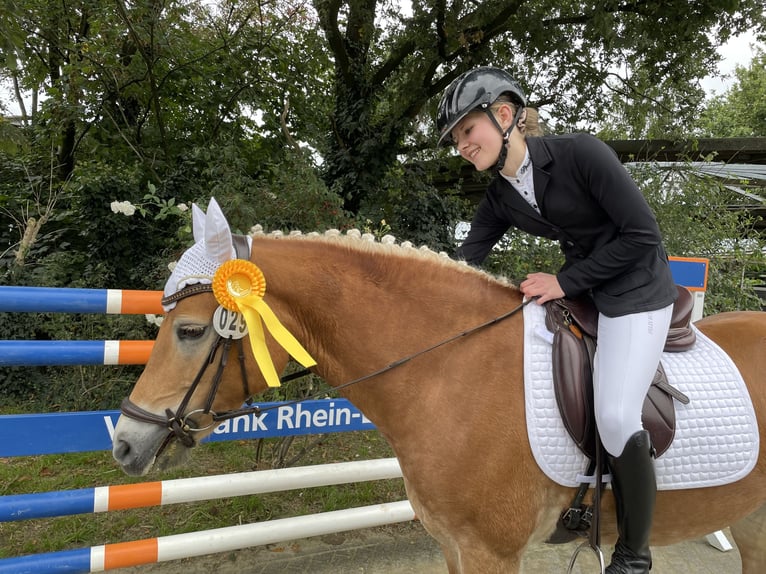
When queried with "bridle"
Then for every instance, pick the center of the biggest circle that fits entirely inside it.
(179, 423)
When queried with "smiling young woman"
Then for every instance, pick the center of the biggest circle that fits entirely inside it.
(572, 188)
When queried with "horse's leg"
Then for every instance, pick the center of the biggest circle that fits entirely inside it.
(452, 560)
(479, 560)
(750, 535)
(471, 555)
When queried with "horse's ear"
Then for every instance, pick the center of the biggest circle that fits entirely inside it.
(218, 242)
(198, 223)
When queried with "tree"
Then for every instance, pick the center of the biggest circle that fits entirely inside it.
(189, 98)
(741, 110)
(571, 57)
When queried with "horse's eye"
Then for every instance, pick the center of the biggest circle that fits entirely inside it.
(191, 331)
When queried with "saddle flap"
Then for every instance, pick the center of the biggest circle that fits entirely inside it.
(573, 388)
(659, 417)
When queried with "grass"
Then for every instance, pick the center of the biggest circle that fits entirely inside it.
(84, 470)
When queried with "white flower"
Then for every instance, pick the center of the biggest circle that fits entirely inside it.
(124, 207)
(153, 319)
(182, 207)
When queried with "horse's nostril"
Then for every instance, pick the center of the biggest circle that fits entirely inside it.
(121, 450)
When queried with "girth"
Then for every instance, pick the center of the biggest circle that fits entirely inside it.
(574, 324)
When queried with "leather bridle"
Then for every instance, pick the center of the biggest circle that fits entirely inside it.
(179, 423)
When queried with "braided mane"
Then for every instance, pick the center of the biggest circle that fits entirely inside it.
(367, 242)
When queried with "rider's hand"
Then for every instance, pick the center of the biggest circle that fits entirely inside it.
(544, 286)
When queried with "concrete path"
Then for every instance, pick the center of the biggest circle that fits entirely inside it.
(407, 549)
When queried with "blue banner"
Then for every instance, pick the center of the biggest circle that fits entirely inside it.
(54, 433)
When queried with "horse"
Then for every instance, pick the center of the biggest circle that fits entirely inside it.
(454, 415)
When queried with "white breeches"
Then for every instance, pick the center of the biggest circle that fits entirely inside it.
(628, 352)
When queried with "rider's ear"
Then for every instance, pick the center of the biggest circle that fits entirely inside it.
(505, 114)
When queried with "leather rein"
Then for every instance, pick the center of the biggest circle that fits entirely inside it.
(180, 425)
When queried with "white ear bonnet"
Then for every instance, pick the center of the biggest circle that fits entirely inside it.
(213, 246)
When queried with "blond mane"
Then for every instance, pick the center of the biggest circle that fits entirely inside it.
(367, 242)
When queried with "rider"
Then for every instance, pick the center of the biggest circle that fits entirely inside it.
(572, 188)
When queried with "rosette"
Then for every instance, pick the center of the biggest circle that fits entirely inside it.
(239, 285)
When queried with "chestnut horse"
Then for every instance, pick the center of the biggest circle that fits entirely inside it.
(454, 416)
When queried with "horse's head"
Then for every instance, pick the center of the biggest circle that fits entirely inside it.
(199, 362)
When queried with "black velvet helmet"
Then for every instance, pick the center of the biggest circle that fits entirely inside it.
(476, 89)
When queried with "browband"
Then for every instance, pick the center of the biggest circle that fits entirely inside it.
(188, 291)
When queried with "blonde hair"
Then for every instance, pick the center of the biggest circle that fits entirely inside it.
(532, 125)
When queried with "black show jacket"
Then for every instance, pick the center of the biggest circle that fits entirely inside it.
(590, 204)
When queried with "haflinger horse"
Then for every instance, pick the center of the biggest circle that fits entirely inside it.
(454, 416)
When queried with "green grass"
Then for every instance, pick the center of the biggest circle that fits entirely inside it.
(84, 470)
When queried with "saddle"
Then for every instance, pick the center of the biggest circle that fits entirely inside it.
(574, 324)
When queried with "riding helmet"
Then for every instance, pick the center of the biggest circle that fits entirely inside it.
(477, 88)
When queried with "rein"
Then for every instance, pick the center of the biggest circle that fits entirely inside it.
(182, 428)
(257, 410)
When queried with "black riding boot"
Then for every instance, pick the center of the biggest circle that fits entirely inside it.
(635, 489)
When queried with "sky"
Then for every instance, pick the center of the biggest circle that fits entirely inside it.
(737, 51)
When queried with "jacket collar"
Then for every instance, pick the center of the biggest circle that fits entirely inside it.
(541, 158)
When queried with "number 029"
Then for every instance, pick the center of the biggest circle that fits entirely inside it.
(229, 323)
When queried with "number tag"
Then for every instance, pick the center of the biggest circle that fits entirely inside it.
(229, 324)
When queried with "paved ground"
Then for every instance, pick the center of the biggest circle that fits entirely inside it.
(406, 549)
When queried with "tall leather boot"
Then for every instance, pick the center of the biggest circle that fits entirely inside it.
(635, 489)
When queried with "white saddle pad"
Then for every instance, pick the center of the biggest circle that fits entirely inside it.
(716, 439)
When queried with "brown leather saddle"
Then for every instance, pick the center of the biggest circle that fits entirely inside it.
(574, 324)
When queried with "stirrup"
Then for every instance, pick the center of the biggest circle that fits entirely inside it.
(596, 550)
(594, 539)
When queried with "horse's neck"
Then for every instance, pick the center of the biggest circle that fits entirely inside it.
(358, 311)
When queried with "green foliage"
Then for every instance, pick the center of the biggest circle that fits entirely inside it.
(519, 254)
(152, 107)
(575, 60)
(741, 110)
(414, 209)
(289, 196)
(698, 218)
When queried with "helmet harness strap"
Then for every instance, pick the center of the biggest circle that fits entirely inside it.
(505, 133)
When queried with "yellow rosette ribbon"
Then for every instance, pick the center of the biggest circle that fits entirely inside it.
(239, 285)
